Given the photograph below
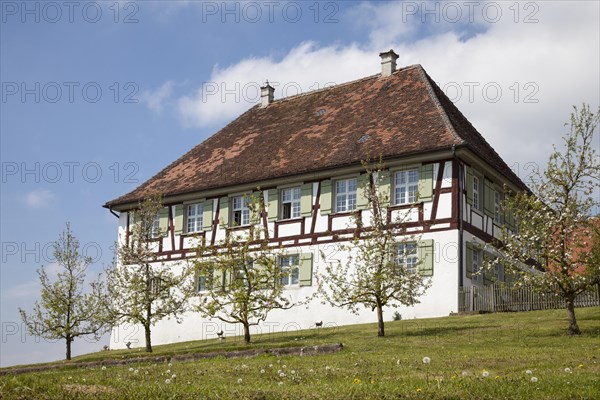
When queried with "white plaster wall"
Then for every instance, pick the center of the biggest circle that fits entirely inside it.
(439, 300)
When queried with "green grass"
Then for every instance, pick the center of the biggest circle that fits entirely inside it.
(461, 349)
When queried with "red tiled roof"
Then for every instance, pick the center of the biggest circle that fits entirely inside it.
(402, 114)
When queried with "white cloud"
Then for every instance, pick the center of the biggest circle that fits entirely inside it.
(541, 69)
(155, 99)
(40, 198)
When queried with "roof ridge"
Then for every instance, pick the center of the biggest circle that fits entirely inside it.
(340, 85)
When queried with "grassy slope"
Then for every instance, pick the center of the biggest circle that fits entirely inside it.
(460, 348)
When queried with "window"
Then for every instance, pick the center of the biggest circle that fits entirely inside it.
(290, 203)
(345, 195)
(155, 227)
(156, 287)
(240, 211)
(194, 218)
(498, 217)
(406, 256)
(289, 270)
(476, 264)
(476, 193)
(406, 186)
(201, 283)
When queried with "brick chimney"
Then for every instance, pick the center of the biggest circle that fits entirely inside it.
(388, 62)
(266, 94)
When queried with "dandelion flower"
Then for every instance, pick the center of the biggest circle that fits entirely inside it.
(270, 365)
(356, 381)
(568, 370)
(426, 360)
(281, 375)
(280, 383)
(240, 380)
(528, 372)
(534, 379)
(130, 369)
(244, 366)
(398, 362)
(311, 370)
(262, 371)
(169, 365)
(168, 371)
(327, 368)
(103, 368)
(580, 366)
(419, 390)
(137, 371)
(284, 366)
(167, 381)
(464, 373)
(173, 376)
(485, 374)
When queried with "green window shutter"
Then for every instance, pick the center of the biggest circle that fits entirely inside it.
(469, 268)
(218, 281)
(207, 215)
(425, 254)
(362, 201)
(164, 221)
(306, 200)
(273, 209)
(178, 220)
(326, 197)
(384, 187)
(224, 211)
(469, 185)
(426, 182)
(488, 198)
(306, 267)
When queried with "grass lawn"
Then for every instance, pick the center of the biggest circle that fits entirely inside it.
(494, 356)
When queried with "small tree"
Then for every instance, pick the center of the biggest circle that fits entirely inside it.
(239, 279)
(556, 233)
(65, 311)
(383, 266)
(141, 289)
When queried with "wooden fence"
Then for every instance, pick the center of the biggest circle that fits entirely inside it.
(498, 298)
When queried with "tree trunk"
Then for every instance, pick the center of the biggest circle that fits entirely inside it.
(148, 338)
(380, 327)
(573, 327)
(247, 333)
(69, 340)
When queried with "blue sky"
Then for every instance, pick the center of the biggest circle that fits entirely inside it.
(99, 97)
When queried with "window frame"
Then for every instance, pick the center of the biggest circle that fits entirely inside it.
(476, 261)
(294, 204)
(198, 280)
(198, 216)
(244, 210)
(155, 226)
(401, 261)
(287, 271)
(405, 170)
(346, 193)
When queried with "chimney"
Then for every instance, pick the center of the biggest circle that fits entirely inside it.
(266, 94)
(388, 62)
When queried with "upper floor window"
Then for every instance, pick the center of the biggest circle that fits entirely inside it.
(406, 186)
(290, 203)
(155, 227)
(498, 217)
(289, 270)
(240, 211)
(406, 256)
(476, 193)
(345, 195)
(194, 218)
